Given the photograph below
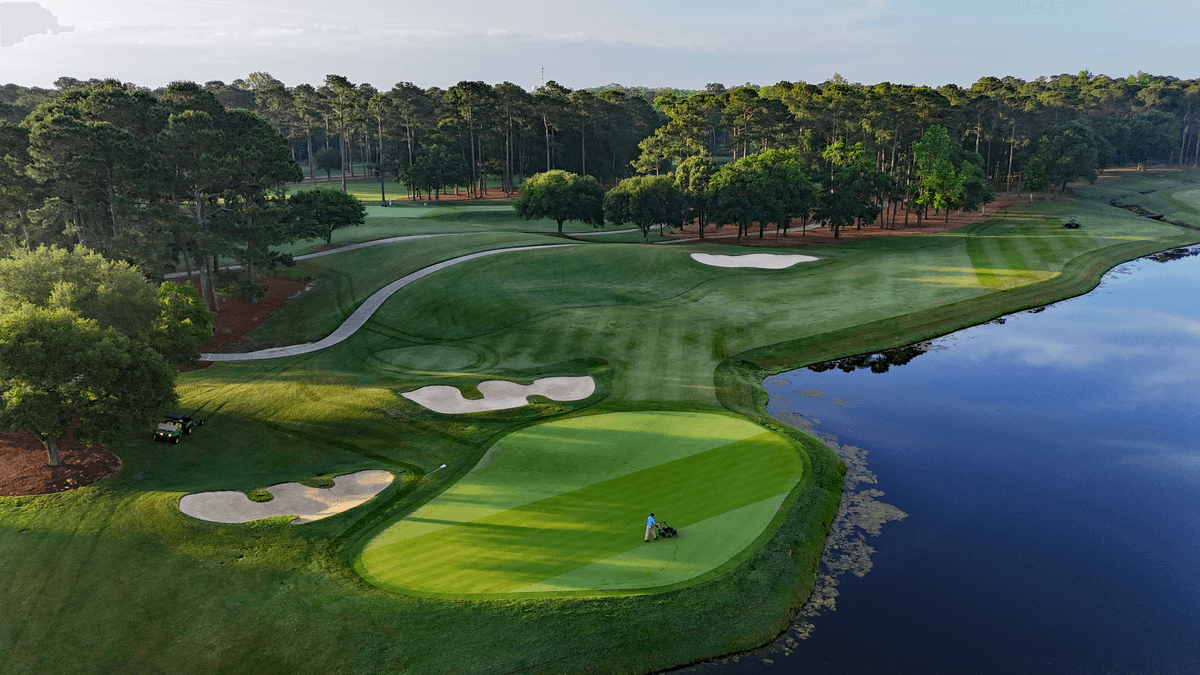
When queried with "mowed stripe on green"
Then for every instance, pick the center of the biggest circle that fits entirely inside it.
(544, 539)
(549, 459)
(668, 561)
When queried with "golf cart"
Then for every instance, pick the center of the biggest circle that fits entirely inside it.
(176, 426)
(186, 424)
(168, 432)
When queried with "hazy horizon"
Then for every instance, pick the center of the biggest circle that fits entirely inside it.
(583, 43)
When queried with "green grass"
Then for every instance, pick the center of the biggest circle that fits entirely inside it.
(490, 218)
(560, 507)
(112, 578)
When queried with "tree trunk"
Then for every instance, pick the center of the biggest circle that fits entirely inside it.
(312, 163)
(483, 171)
(560, 223)
(342, 154)
(1183, 142)
(212, 286)
(546, 124)
(474, 165)
(1012, 143)
(51, 445)
(187, 263)
(379, 163)
(408, 137)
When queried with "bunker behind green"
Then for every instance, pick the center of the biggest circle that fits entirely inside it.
(561, 508)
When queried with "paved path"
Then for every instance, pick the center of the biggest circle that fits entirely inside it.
(600, 233)
(368, 307)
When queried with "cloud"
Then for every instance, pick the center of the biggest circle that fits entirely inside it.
(19, 20)
(587, 43)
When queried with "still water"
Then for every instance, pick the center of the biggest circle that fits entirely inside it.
(1036, 504)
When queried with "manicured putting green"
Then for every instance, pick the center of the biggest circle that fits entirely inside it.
(561, 508)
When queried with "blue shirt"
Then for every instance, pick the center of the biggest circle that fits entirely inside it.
(649, 521)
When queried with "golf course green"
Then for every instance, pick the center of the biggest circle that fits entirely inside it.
(560, 507)
(525, 553)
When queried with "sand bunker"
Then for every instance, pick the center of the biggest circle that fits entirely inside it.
(763, 261)
(291, 499)
(500, 395)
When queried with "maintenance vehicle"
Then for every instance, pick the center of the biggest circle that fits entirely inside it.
(176, 426)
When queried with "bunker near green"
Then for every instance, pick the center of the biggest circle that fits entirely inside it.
(560, 509)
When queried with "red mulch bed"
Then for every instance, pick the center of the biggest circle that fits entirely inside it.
(236, 317)
(24, 468)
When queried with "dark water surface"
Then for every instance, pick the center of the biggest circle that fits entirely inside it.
(1048, 472)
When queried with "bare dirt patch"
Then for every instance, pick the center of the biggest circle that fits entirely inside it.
(24, 470)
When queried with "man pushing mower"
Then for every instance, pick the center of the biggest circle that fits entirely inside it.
(653, 527)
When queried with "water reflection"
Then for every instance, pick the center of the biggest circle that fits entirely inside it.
(878, 362)
(1045, 477)
(861, 514)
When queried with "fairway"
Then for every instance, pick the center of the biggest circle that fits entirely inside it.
(561, 508)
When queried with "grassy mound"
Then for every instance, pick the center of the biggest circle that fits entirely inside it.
(560, 508)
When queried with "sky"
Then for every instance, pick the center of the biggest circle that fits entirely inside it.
(584, 43)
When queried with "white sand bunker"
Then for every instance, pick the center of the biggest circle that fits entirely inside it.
(500, 395)
(764, 261)
(291, 499)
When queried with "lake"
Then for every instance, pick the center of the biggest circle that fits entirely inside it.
(1036, 497)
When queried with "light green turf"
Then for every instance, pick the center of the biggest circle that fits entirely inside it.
(657, 331)
(668, 561)
(561, 507)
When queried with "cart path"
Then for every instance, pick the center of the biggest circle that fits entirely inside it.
(369, 306)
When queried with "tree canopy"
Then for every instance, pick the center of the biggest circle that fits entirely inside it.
(645, 201)
(169, 319)
(317, 213)
(57, 368)
(562, 196)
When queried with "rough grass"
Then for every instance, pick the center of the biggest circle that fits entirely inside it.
(112, 578)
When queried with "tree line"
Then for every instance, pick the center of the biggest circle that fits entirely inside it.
(180, 176)
(840, 188)
(430, 138)
(1139, 119)
(166, 182)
